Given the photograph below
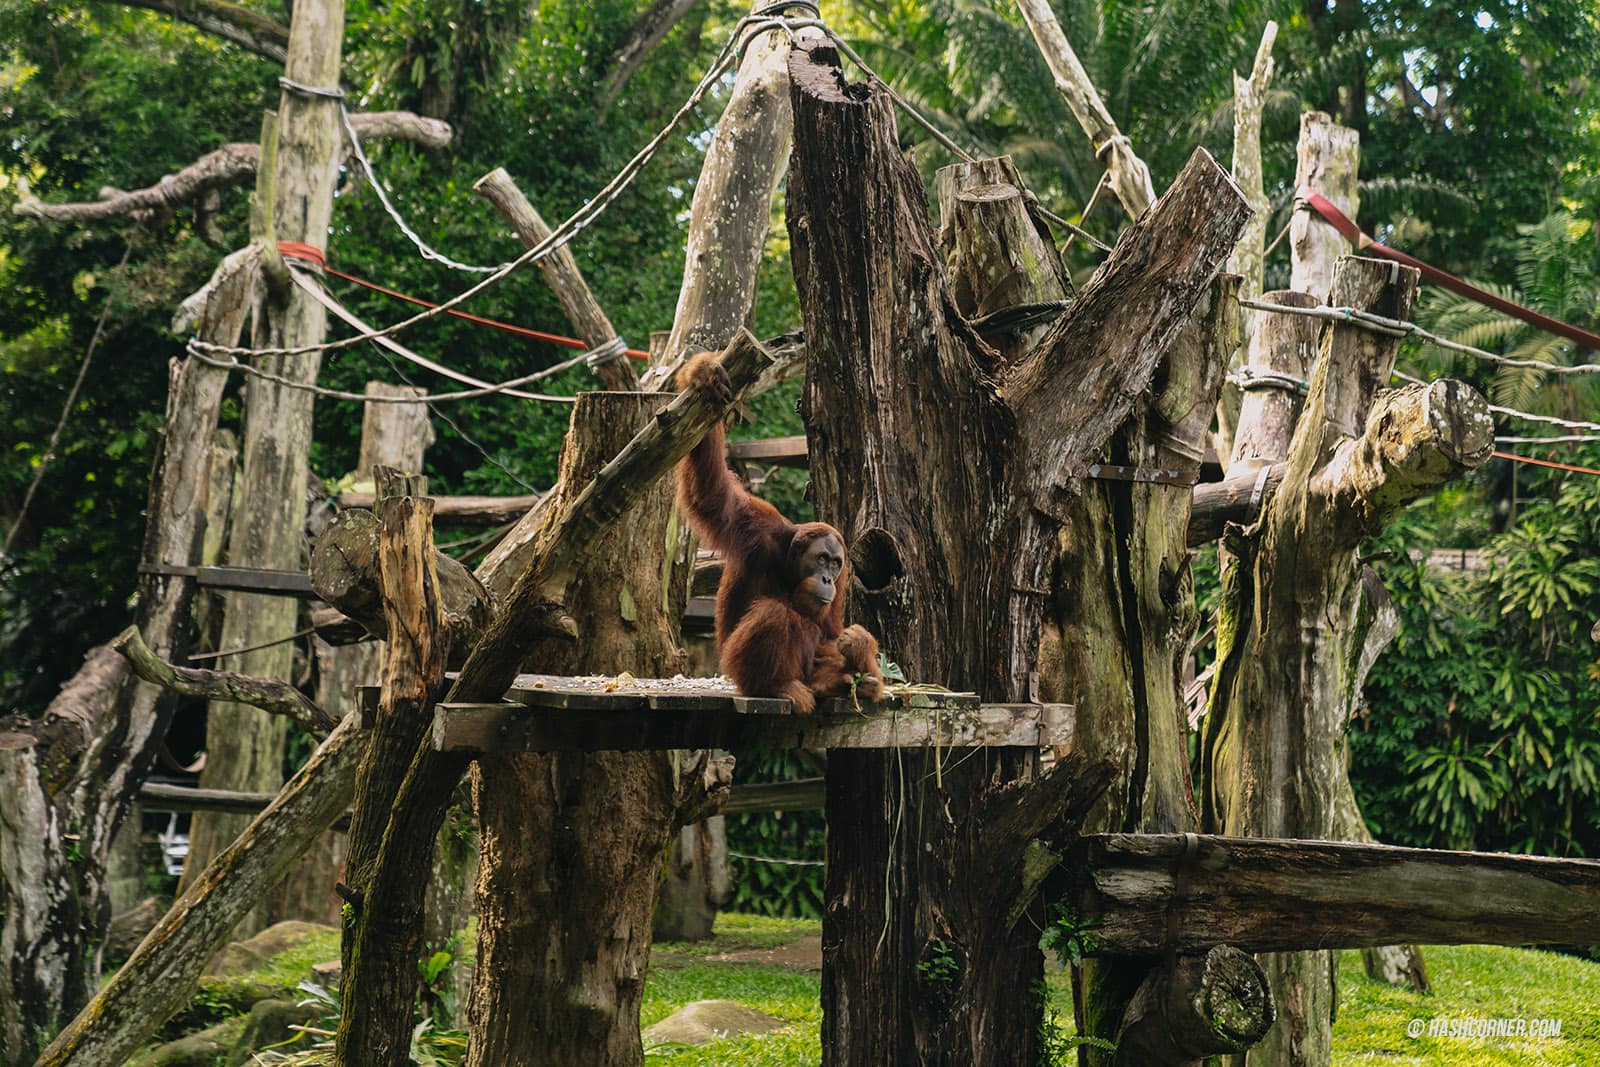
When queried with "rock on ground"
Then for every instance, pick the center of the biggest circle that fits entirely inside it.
(707, 1020)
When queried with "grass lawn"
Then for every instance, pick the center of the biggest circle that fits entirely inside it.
(1472, 983)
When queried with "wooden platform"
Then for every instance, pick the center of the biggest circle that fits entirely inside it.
(548, 714)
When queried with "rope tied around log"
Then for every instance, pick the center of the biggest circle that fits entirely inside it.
(1182, 869)
(301, 89)
(1247, 379)
(610, 352)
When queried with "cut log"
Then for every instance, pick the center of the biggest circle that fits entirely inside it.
(1326, 161)
(345, 573)
(1273, 895)
(1196, 1006)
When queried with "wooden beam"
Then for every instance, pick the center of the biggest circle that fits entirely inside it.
(485, 510)
(642, 714)
(801, 794)
(1277, 895)
(774, 451)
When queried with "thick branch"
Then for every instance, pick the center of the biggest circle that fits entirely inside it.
(561, 273)
(232, 164)
(643, 36)
(1078, 386)
(248, 29)
(1130, 178)
(160, 976)
(1417, 438)
(732, 206)
(268, 694)
(532, 608)
(1275, 895)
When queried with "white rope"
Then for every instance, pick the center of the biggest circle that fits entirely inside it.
(1513, 413)
(426, 250)
(745, 31)
(308, 283)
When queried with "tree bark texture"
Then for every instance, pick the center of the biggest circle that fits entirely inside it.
(1326, 160)
(390, 848)
(397, 436)
(82, 762)
(921, 850)
(732, 207)
(1118, 628)
(161, 975)
(1195, 1006)
(573, 842)
(560, 271)
(244, 747)
(1291, 631)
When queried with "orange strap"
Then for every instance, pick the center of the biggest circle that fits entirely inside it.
(1352, 233)
(1544, 463)
(314, 255)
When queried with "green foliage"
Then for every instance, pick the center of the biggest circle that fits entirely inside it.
(1481, 727)
(772, 888)
(1067, 934)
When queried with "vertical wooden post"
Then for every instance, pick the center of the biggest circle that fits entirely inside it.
(392, 435)
(572, 842)
(1326, 160)
(244, 746)
(1295, 626)
(382, 936)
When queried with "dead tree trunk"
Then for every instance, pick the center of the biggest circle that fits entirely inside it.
(392, 435)
(1249, 258)
(904, 403)
(572, 842)
(1292, 629)
(80, 765)
(1118, 627)
(382, 938)
(244, 749)
(1327, 155)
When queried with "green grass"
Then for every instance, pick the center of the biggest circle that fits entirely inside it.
(1472, 982)
(1478, 982)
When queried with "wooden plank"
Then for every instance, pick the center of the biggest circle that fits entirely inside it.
(1275, 895)
(241, 579)
(624, 726)
(774, 451)
(802, 794)
(488, 510)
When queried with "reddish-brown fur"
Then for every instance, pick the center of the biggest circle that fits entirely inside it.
(773, 638)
